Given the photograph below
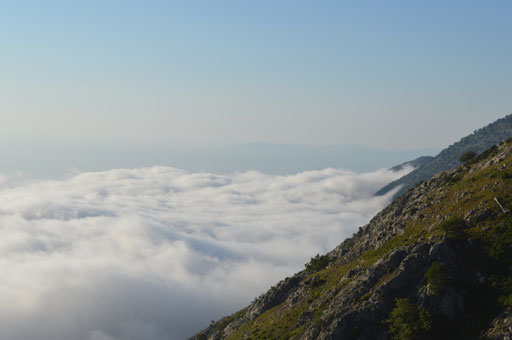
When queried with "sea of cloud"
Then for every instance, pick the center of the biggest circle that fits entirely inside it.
(156, 253)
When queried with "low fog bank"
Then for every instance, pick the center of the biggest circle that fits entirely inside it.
(156, 253)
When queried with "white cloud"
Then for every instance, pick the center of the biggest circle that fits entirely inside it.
(156, 253)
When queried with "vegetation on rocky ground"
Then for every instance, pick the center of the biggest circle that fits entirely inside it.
(407, 321)
(438, 258)
(467, 156)
(317, 263)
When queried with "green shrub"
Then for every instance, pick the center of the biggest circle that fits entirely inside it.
(492, 151)
(407, 321)
(500, 245)
(436, 278)
(504, 285)
(317, 263)
(454, 228)
(467, 156)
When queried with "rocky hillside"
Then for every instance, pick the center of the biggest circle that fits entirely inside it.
(478, 141)
(436, 263)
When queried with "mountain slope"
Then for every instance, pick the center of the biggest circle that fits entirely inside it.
(415, 163)
(436, 263)
(478, 141)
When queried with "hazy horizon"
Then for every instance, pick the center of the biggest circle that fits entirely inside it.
(57, 160)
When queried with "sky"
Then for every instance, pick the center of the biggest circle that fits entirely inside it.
(394, 74)
(147, 249)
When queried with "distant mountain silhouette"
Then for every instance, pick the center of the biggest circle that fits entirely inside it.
(478, 141)
(415, 163)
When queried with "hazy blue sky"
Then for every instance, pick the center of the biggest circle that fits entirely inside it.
(393, 74)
